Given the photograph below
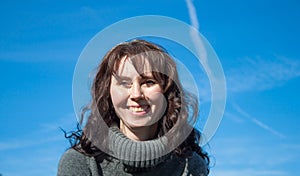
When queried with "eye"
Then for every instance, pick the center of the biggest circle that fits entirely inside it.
(125, 83)
(149, 82)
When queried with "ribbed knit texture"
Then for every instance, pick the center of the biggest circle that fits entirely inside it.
(137, 155)
(131, 158)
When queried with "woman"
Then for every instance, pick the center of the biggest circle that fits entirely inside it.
(139, 119)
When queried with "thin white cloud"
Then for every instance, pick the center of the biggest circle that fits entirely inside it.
(23, 143)
(45, 133)
(25, 151)
(233, 117)
(261, 73)
(240, 155)
(51, 37)
(215, 74)
(252, 172)
(257, 122)
(200, 49)
(192, 13)
(69, 121)
(208, 59)
(294, 147)
(30, 162)
(257, 73)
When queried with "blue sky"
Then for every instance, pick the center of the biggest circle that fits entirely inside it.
(257, 44)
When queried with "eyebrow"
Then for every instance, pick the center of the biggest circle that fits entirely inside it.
(142, 76)
(147, 76)
(118, 77)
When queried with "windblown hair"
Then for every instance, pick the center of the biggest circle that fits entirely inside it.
(181, 106)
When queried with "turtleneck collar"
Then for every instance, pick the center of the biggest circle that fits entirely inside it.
(137, 155)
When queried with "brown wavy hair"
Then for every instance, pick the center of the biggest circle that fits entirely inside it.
(181, 110)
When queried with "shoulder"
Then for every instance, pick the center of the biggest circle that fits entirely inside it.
(73, 162)
(196, 165)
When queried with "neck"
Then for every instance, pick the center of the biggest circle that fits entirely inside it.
(139, 133)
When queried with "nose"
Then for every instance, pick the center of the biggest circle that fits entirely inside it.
(136, 92)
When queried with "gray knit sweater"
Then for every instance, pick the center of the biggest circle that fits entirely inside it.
(75, 163)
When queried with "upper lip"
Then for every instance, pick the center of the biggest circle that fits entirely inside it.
(136, 106)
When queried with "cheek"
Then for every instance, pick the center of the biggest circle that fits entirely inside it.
(159, 104)
(155, 95)
(118, 96)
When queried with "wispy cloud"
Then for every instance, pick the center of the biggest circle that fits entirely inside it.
(39, 37)
(45, 133)
(215, 74)
(42, 147)
(200, 49)
(252, 172)
(192, 13)
(24, 143)
(33, 160)
(261, 73)
(249, 74)
(239, 155)
(257, 122)
(207, 57)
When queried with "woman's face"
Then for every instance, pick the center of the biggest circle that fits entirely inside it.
(137, 98)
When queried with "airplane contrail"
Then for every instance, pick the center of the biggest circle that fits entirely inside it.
(257, 122)
(200, 49)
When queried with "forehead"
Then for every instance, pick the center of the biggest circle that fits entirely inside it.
(133, 66)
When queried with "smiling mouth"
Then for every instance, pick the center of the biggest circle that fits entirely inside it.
(139, 109)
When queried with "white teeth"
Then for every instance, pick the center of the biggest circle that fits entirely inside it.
(137, 109)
